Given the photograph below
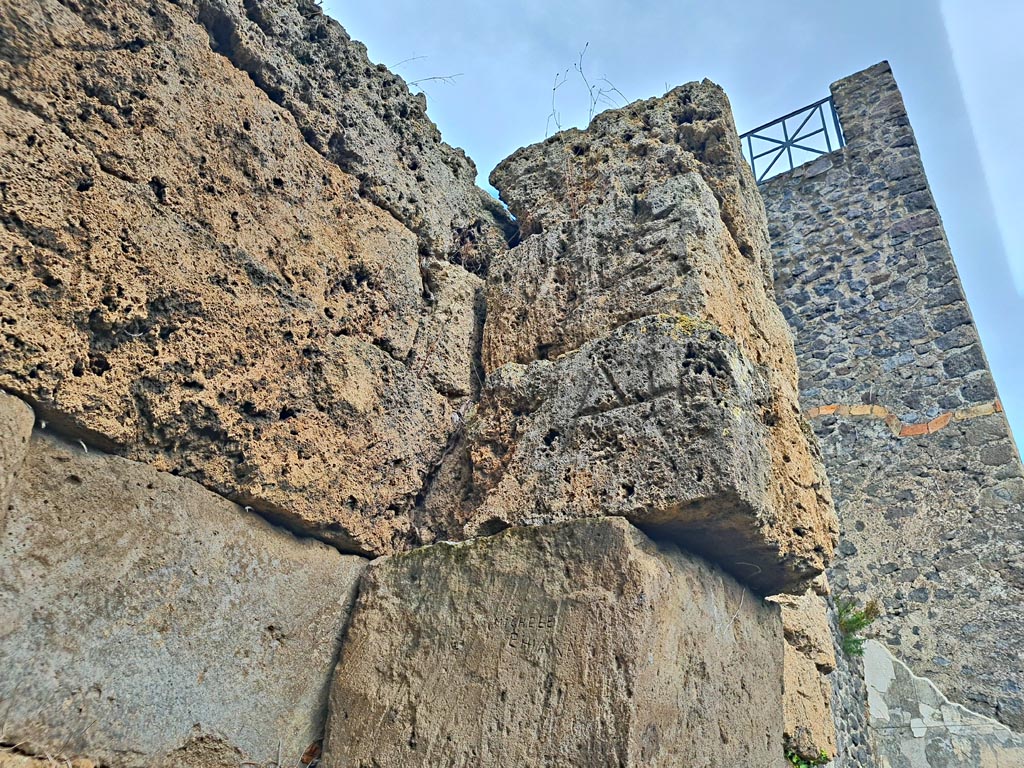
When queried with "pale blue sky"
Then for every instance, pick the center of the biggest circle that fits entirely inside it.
(772, 57)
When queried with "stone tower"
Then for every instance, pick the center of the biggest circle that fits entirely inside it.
(925, 474)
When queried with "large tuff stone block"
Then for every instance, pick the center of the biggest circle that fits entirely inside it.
(810, 727)
(149, 622)
(578, 644)
(806, 626)
(662, 422)
(187, 282)
(650, 211)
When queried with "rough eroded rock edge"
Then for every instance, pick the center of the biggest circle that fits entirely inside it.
(363, 118)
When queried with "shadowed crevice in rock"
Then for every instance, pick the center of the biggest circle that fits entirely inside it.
(718, 529)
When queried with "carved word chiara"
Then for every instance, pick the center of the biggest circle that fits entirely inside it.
(522, 630)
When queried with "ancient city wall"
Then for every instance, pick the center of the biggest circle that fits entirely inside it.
(925, 474)
(309, 454)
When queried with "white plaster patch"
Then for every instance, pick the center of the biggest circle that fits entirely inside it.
(912, 719)
(878, 675)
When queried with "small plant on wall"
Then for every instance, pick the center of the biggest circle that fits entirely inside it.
(794, 758)
(853, 621)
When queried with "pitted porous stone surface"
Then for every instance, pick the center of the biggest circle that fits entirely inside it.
(810, 729)
(806, 626)
(578, 645)
(651, 213)
(661, 422)
(651, 209)
(186, 282)
(12, 759)
(807, 702)
(200, 751)
(913, 725)
(362, 117)
(148, 621)
(927, 480)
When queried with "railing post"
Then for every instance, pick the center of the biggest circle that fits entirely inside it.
(835, 120)
(824, 127)
(789, 144)
(750, 151)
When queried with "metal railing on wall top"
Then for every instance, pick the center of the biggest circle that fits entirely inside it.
(793, 139)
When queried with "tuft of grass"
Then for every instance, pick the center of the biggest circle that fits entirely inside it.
(853, 621)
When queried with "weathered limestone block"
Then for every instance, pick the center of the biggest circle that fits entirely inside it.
(809, 729)
(187, 283)
(363, 118)
(150, 622)
(810, 726)
(661, 422)
(806, 626)
(653, 210)
(16, 420)
(914, 725)
(578, 645)
(451, 332)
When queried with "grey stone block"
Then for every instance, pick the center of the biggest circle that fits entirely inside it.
(581, 644)
(145, 618)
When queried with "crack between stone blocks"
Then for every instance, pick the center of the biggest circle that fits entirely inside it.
(67, 431)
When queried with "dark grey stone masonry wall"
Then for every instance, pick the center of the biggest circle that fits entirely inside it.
(926, 478)
(849, 705)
